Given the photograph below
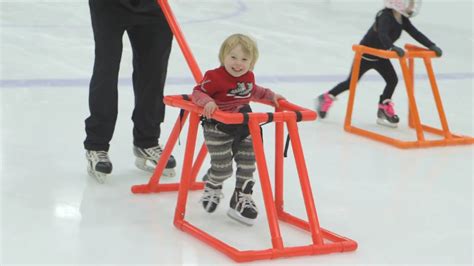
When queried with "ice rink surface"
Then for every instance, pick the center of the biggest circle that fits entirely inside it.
(401, 206)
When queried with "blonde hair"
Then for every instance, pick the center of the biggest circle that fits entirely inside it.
(249, 46)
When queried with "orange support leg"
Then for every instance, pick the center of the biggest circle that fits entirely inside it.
(279, 166)
(304, 182)
(254, 129)
(188, 55)
(186, 177)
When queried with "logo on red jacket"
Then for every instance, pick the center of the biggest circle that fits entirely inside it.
(243, 90)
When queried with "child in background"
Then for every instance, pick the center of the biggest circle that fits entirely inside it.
(386, 29)
(230, 88)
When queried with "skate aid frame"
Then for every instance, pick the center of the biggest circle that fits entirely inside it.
(323, 241)
(412, 52)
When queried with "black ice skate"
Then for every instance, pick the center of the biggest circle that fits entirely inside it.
(148, 158)
(242, 206)
(98, 165)
(323, 103)
(386, 114)
(211, 196)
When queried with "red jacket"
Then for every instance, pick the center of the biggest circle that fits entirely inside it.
(228, 92)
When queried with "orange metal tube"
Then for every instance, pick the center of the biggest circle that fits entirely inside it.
(188, 55)
(186, 172)
(352, 89)
(286, 217)
(414, 51)
(437, 97)
(279, 163)
(304, 182)
(411, 67)
(238, 118)
(173, 138)
(362, 49)
(254, 128)
(420, 54)
(411, 99)
(339, 245)
(381, 138)
(169, 187)
(412, 47)
(250, 255)
(285, 105)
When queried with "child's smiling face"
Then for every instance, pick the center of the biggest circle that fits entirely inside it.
(237, 62)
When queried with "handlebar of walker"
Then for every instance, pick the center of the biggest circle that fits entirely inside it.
(238, 118)
(412, 51)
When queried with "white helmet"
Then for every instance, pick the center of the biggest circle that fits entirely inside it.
(408, 8)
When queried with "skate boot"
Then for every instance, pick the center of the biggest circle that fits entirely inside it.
(323, 103)
(211, 196)
(148, 158)
(242, 206)
(98, 165)
(386, 114)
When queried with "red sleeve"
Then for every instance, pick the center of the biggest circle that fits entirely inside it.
(202, 91)
(262, 93)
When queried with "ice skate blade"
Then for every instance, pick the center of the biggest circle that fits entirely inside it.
(141, 164)
(99, 177)
(384, 122)
(239, 218)
(169, 172)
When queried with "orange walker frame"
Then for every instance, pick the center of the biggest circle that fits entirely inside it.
(323, 241)
(413, 115)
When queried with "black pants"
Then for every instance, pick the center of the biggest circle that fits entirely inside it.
(151, 39)
(384, 67)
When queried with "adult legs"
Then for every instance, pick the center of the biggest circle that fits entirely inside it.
(151, 45)
(103, 85)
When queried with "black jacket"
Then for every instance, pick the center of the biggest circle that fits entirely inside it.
(141, 6)
(386, 30)
(126, 12)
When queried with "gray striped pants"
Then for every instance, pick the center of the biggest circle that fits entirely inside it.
(219, 145)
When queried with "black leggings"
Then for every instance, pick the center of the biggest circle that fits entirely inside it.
(385, 69)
